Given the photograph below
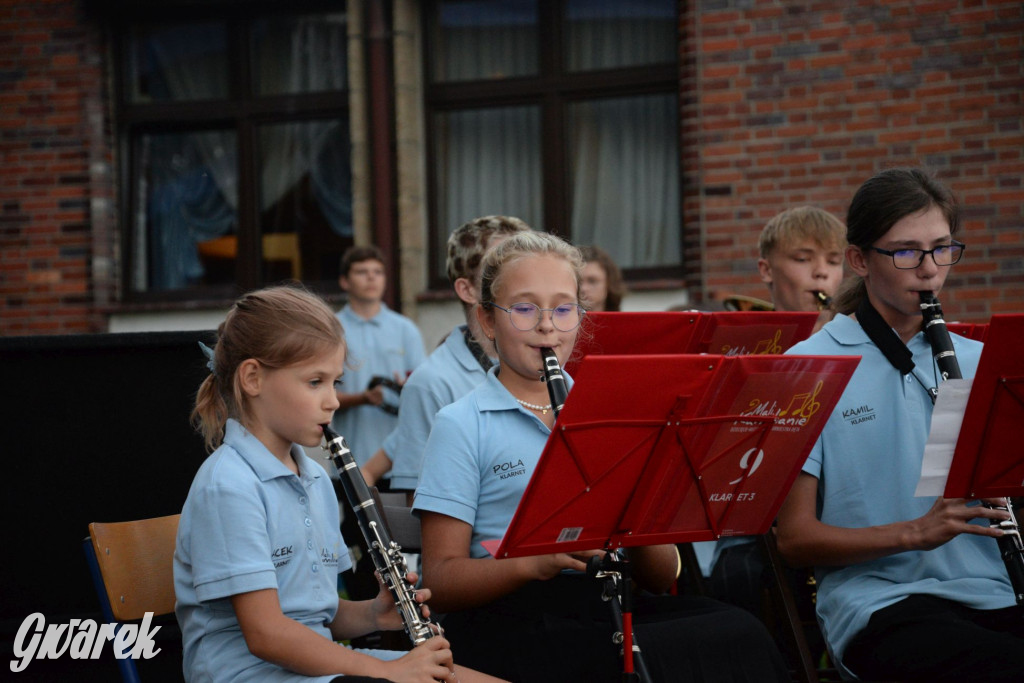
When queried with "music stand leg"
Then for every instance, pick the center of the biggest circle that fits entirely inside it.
(613, 568)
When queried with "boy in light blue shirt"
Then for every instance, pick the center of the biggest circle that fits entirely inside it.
(801, 261)
(381, 344)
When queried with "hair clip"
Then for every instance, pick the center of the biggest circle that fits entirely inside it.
(208, 352)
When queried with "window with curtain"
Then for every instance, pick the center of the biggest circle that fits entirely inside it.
(238, 148)
(563, 113)
(467, 144)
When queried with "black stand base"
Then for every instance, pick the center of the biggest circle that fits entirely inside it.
(614, 570)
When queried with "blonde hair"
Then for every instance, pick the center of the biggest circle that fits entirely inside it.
(802, 222)
(519, 246)
(278, 327)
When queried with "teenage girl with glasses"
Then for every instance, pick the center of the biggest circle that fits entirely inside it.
(540, 618)
(909, 588)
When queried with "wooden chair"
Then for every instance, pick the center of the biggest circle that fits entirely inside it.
(783, 610)
(132, 570)
(779, 608)
(276, 246)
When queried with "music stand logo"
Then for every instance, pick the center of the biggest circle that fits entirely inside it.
(770, 345)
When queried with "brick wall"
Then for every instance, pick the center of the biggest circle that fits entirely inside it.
(789, 103)
(54, 170)
(783, 103)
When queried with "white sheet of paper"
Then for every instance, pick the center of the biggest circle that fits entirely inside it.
(946, 420)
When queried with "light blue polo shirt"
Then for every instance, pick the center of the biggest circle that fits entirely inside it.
(868, 462)
(387, 344)
(448, 374)
(248, 524)
(479, 457)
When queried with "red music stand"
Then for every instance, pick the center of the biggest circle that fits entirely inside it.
(635, 333)
(975, 331)
(987, 461)
(671, 449)
(738, 333)
(677, 332)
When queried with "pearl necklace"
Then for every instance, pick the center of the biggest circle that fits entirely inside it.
(533, 406)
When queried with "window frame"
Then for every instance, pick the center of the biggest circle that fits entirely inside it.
(243, 113)
(554, 89)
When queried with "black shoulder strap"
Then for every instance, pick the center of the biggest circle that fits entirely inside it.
(478, 351)
(887, 341)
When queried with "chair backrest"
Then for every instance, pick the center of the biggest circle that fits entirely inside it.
(405, 527)
(136, 564)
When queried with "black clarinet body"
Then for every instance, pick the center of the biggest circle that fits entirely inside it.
(1011, 548)
(386, 554)
(938, 336)
(558, 389)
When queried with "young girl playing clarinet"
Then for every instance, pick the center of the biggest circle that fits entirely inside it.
(540, 618)
(259, 546)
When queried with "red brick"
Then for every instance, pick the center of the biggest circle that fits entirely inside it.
(862, 95)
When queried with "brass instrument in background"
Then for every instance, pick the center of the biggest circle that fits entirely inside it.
(739, 302)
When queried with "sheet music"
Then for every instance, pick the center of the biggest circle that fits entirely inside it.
(946, 420)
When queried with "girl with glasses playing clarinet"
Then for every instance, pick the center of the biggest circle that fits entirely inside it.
(541, 618)
(909, 588)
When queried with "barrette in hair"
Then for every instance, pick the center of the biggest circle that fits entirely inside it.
(208, 352)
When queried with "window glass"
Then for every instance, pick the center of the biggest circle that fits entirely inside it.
(177, 63)
(488, 162)
(305, 199)
(605, 34)
(301, 54)
(624, 172)
(235, 186)
(485, 39)
(184, 229)
(595, 156)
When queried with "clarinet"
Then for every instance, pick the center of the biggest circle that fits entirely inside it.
(1011, 548)
(938, 336)
(387, 555)
(558, 390)
(824, 300)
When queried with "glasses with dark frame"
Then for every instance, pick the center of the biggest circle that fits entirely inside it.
(908, 259)
(526, 316)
